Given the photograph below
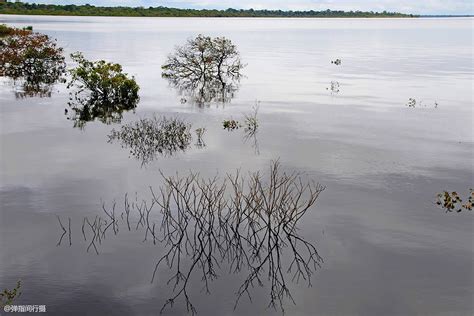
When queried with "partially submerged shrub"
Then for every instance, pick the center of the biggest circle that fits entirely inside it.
(451, 201)
(247, 225)
(32, 59)
(7, 297)
(102, 91)
(148, 137)
(230, 125)
(207, 69)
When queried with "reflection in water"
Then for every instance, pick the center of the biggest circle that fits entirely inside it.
(102, 91)
(199, 133)
(248, 224)
(148, 137)
(205, 70)
(34, 89)
(32, 60)
(334, 87)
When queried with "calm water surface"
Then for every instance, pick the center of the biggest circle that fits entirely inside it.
(387, 248)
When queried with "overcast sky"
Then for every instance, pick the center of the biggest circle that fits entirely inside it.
(405, 6)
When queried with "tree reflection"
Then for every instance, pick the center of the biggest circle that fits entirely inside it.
(149, 137)
(205, 70)
(249, 224)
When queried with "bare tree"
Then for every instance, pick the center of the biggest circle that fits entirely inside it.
(250, 224)
(205, 69)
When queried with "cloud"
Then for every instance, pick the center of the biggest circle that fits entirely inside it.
(405, 6)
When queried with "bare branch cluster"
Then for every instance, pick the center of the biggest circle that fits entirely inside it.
(149, 137)
(206, 69)
(247, 223)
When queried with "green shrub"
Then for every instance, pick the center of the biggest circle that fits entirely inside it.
(102, 90)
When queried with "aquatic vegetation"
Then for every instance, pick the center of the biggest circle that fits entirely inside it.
(451, 201)
(411, 103)
(230, 125)
(239, 224)
(336, 62)
(101, 91)
(7, 297)
(205, 69)
(199, 133)
(251, 121)
(148, 137)
(32, 60)
(334, 87)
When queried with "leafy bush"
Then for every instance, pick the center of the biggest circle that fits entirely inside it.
(8, 296)
(102, 91)
(31, 58)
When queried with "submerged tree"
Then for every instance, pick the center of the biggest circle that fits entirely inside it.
(102, 91)
(205, 69)
(148, 137)
(451, 201)
(32, 60)
(7, 297)
(247, 225)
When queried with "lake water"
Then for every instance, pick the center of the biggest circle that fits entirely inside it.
(387, 248)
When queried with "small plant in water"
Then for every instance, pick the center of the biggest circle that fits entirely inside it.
(451, 201)
(230, 125)
(8, 296)
(102, 90)
(411, 103)
(199, 133)
(148, 137)
(251, 121)
(334, 87)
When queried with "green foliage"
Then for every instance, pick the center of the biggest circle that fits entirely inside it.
(230, 125)
(102, 91)
(146, 138)
(32, 59)
(8, 296)
(90, 10)
(451, 201)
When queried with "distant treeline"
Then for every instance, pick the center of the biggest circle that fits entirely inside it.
(90, 10)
